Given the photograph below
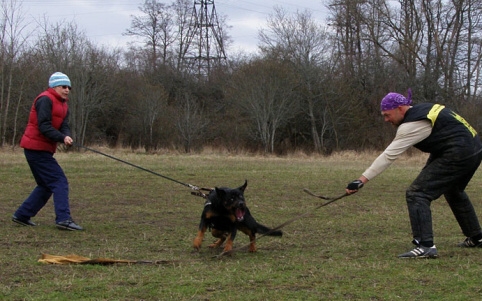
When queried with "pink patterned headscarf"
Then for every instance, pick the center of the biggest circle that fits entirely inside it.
(394, 100)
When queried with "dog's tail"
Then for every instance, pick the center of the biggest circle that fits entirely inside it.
(268, 231)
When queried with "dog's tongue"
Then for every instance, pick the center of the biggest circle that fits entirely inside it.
(239, 214)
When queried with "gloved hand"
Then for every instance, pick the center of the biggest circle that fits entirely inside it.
(355, 185)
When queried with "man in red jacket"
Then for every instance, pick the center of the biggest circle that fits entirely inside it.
(48, 124)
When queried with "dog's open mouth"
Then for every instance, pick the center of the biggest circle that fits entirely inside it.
(239, 214)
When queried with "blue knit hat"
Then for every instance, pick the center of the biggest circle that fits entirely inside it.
(59, 79)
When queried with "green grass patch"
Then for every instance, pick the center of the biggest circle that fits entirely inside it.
(344, 251)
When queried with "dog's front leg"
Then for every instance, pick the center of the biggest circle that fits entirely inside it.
(200, 233)
(199, 238)
(206, 216)
(229, 243)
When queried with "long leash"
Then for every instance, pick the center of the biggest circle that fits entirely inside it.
(193, 187)
(199, 193)
(330, 200)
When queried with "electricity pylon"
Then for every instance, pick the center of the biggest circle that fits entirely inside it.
(204, 44)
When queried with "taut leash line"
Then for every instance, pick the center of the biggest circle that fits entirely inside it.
(330, 200)
(137, 166)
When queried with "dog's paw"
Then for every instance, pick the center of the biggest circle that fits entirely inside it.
(228, 247)
(197, 243)
(216, 244)
(252, 248)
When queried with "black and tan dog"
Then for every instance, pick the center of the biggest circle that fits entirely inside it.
(225, 212)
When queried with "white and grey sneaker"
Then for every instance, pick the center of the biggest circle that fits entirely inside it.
(470, 243)
(69, 225)
(421, 252)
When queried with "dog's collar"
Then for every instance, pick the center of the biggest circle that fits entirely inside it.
(207, 204)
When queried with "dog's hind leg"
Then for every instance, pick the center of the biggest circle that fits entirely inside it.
(251, 234)
(221, 235)
(252, 242)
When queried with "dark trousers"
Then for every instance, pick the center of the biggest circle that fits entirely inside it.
(50, 180)
(442, 176)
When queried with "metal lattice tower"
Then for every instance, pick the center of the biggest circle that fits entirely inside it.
(203, 48)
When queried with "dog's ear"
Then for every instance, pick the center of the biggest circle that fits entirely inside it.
(220, 192)
(242, 188)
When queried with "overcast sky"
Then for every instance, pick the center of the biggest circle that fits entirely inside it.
(104, 21)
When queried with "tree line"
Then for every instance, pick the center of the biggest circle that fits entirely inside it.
(312, 86)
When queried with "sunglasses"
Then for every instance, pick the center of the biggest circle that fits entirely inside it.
(65, 87)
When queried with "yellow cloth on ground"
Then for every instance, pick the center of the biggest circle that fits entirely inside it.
(76, 259)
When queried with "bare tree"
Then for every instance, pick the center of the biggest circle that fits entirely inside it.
(265, 93)
(152, 103)
(12, 43)
(190, 120)
(300, 40)
(434, 42)
(27, 67)
(156, 28)
(95, 80)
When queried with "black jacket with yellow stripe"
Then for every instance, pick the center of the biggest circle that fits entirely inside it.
(452, 136)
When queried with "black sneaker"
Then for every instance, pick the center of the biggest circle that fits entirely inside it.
(69, 225)
(420, 252)
(470, 243)
(23, 222)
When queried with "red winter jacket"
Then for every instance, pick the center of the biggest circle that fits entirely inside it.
(33, 139)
